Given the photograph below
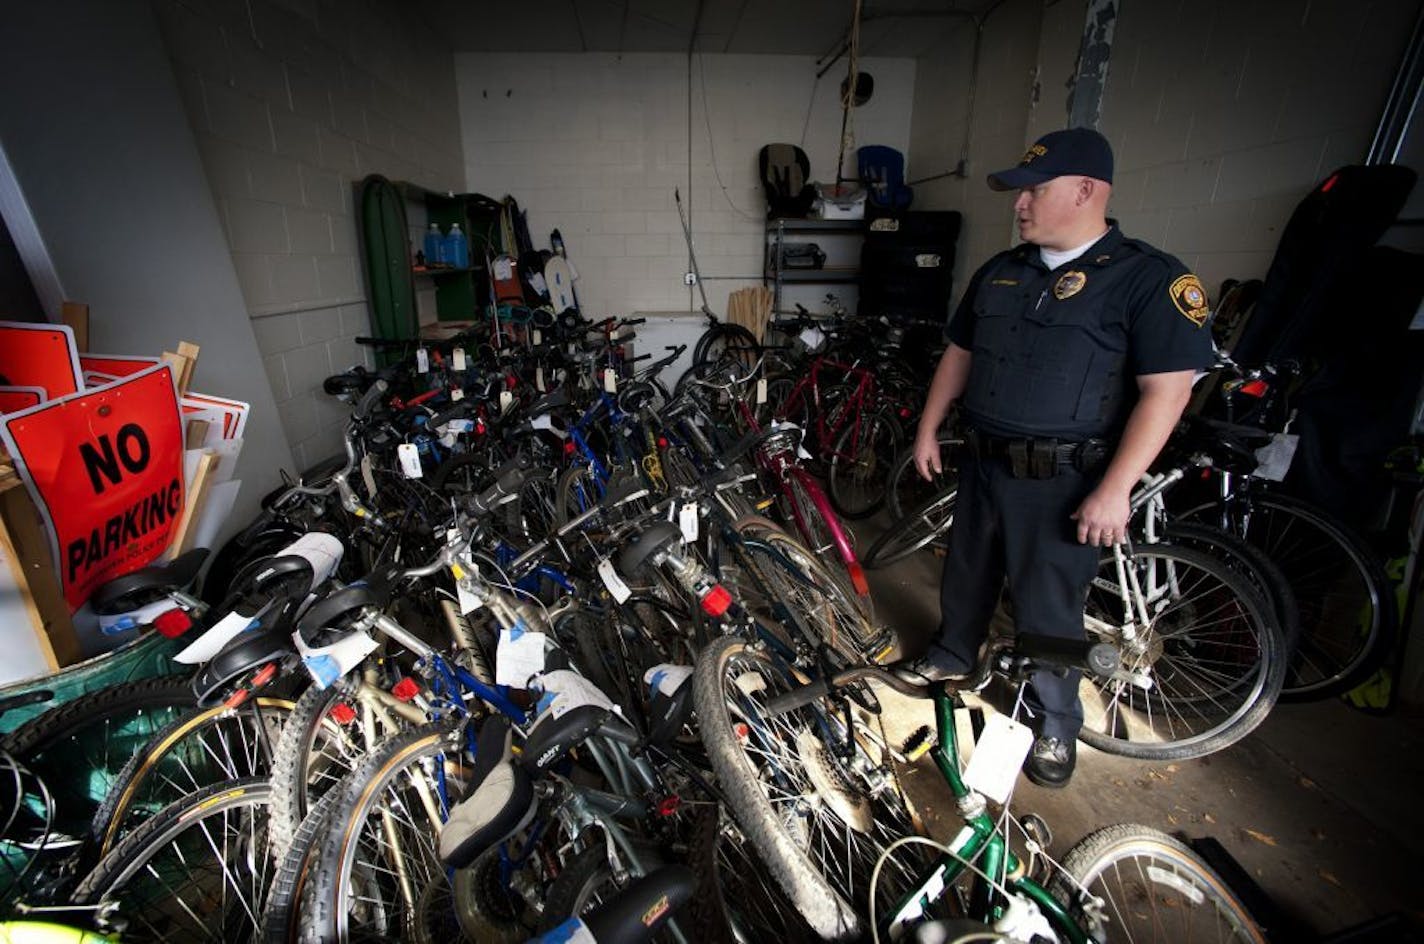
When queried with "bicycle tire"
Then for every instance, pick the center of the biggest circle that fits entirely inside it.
(98, 732)
(577, 492)
(923, 525)
(1345, 634)
(1168, 893)
(119, 875)
(906, 489)
(720, 337)
(737, 902)
(279, 917)
(160, 774)
(327, 908)
(1252, 563)
(1179, 653)
(861, 461)
(784, 842)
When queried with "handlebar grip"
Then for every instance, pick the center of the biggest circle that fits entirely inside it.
(677, 349)
(1098, 658)
(640, 357)
(634, 321)
(370, 398)
(460, 409)
(798, 698)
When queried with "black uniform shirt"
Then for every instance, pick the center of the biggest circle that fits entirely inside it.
(1057, 353)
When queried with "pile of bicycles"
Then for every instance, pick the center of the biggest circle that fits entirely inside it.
(552, 642)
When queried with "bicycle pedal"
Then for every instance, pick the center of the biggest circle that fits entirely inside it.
(918, 744)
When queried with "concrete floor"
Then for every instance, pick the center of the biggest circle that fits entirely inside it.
(1321, 805)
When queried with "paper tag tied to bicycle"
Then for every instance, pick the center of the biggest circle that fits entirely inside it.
(613, 582)
(998, 757)
(409, 456)
(518, 657)
(565, 690)
(1275, 457)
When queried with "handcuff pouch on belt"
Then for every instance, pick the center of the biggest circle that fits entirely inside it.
(1032, 458)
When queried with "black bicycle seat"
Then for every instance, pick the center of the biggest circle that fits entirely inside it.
(553, 738)
(336, 610)
(548, 402)
(640, 911)
(273, 575)
(249, 651)
(656, 537)
(142, 587)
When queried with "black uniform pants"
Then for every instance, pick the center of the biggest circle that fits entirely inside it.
(1019, 529)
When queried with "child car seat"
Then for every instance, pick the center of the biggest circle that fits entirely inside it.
(882, 173)
(785, 175)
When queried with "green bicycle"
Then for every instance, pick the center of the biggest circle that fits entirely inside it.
(816, 792)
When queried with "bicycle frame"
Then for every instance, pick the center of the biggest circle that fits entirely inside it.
(979, 839)
(853, 409)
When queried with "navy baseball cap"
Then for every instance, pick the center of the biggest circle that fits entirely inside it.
(1079, 151)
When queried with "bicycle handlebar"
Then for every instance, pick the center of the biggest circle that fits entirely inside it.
(370, 398)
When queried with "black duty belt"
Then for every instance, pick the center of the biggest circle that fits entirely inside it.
(1038, 457)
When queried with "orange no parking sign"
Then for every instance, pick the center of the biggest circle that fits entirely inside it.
(105, 468)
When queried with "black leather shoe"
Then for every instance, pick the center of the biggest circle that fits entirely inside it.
(937, 665)
(1050, 763)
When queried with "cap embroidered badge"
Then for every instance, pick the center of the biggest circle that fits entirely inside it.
(1069, 284)
(1190, 298)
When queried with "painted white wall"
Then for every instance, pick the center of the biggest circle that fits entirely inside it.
(293, 102)
(594, 144)
(1222, 115)
(96, 137)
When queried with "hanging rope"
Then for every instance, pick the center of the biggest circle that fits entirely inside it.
(848, 94)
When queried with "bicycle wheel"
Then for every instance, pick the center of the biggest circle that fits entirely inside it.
(1348, 615)
(1252, 563)
(97, 734)
(790, 585)
(926, 524)
(578, 491)
(815, 803)
(328, 733)
(1203, 663)
(378, 874)
(280, 915)
(205, 747)
(738, 903)
(1154, 888)
(906, 489)
(861, 461)
(195, 872)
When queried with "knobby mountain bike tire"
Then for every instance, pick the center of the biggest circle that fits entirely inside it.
(204, 747)
(355, 890)
(926, 524)
(1209, 659)
(196, 872)
(280, 916)
(1349, 619)
(1155, 889)
(820, 852)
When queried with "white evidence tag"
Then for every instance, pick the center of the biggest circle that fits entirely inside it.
(457, 394)
(422, 361)
(368, 476)
(458, 357)
(761, 391)
(998, 756)
(506, 400)
(613, 582)
(538, 337)
(503, 269)
(518, 657)
(211, 642)
(469, 600)
(1275, 457)
(409, 457)
(687, 521)
(536, 282)
(610, 381)
(539, 378)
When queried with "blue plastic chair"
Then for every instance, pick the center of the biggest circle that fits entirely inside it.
(882, 173)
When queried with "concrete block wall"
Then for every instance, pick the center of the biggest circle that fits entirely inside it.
(291, 103)
(594, 144)
(1001, 93)
(1222, 115)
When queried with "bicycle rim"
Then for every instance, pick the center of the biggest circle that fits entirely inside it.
(861, 462)
(1193, 634)
(194, 873)
(1155, 889)
(922, 526)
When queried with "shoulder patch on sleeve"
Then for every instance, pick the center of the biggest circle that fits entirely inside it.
(1190, 298)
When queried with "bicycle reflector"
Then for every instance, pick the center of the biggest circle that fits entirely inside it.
(569, 447)
(716, 601)
(172, 623)
(857, 579)
(406, 689)
(342, 713)
(1255, 388)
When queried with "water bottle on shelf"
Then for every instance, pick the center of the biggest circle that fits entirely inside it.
(457, 248)
(434, 246)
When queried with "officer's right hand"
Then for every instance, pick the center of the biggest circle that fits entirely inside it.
(927, 460)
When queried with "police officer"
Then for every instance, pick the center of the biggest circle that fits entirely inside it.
(1071, 357)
